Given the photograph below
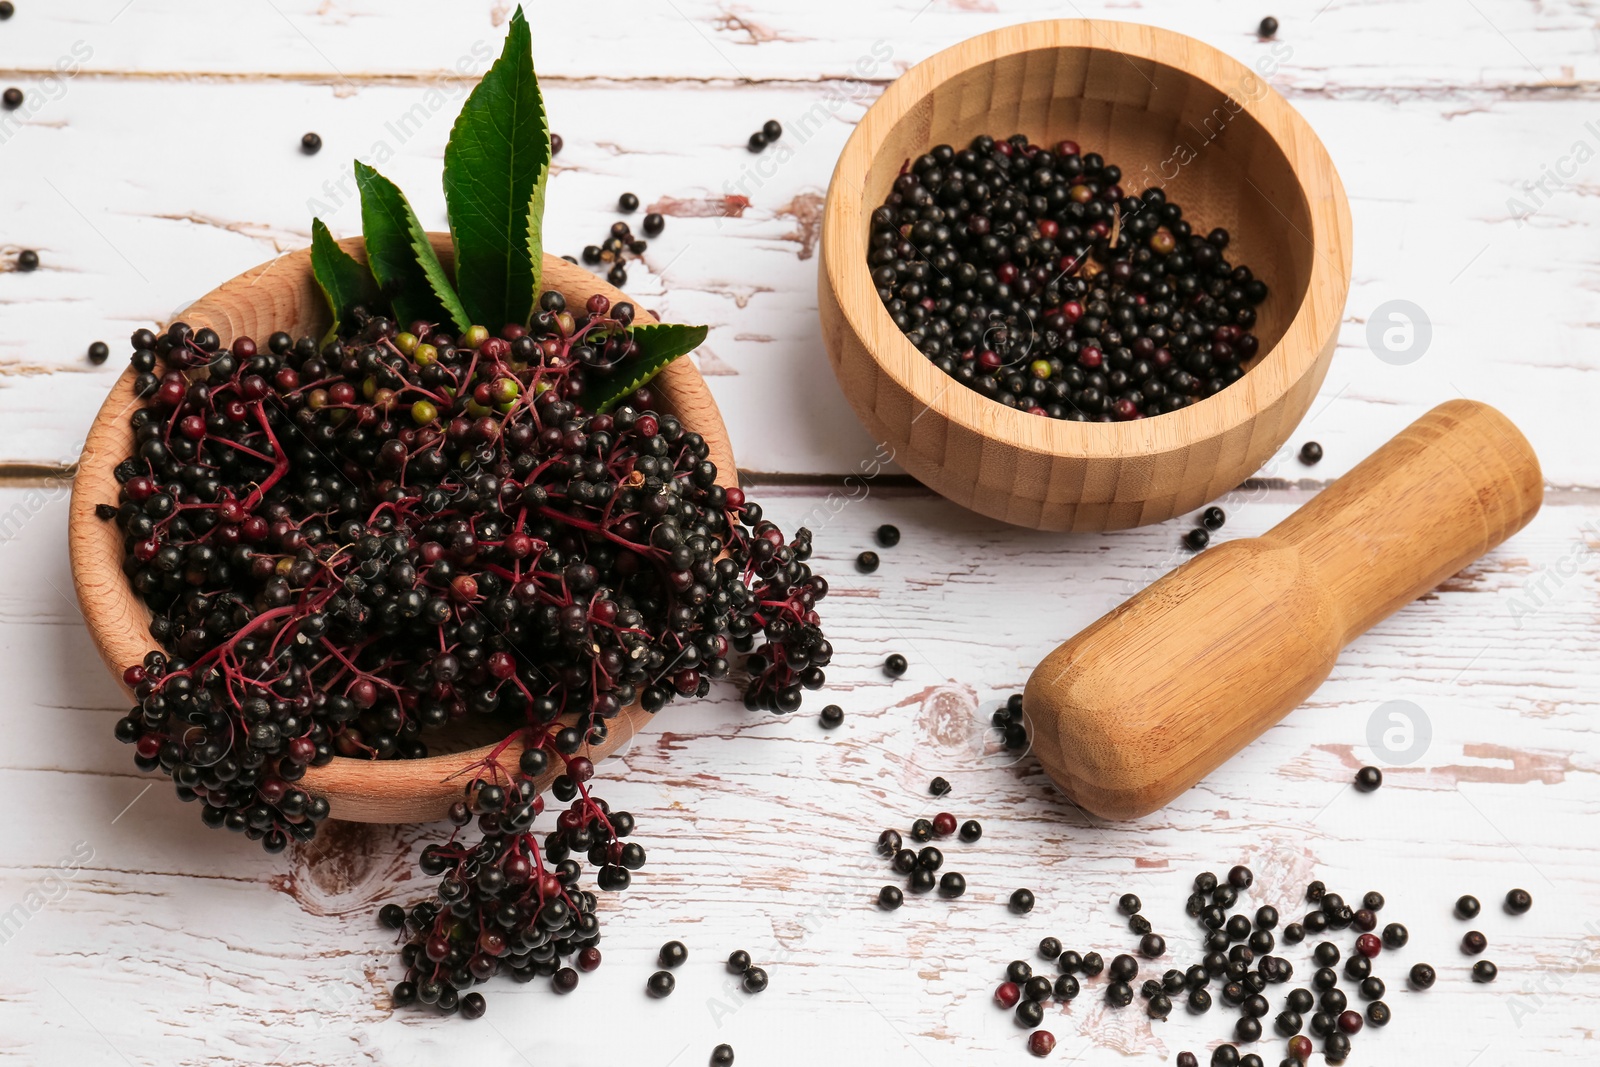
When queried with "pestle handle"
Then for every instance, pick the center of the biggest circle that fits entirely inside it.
(1160, 691)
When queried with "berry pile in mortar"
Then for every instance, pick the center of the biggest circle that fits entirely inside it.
(416, 522)
(1032, 276)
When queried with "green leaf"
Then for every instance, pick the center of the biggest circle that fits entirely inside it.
(659, 344)
(496, 165)
(400, 256)
(343, 281)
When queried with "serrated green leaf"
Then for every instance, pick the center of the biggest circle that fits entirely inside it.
(659, 344)
(496, 165)
(402, 260)
(343, 281)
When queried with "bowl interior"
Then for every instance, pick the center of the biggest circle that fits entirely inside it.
(1163, 126)
(283, 295)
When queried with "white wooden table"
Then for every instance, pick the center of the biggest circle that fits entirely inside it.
(157, 154)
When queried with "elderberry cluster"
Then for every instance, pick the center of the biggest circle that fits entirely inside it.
(1033, 277)
(346, 547)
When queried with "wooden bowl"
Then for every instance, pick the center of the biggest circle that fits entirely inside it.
(1169, 111)
(283, 295)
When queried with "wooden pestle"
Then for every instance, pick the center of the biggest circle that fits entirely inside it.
(1160, 691)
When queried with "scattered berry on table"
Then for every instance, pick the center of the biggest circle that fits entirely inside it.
(1467, 907)
(1022, 903)
(27, 260)
(311, 143)
(755, 980)
(888, 535)
(1007, 994)
(1153, 946)
(890, 897)
(1518, 901)
(944, 824)
(672, 954)
(772, 129)
(757, 142)
(1196, 539)
(739, 959)
(722, 1056)
(1473, 942)
(565, 980)
(1268, 28)
(1378, 1013)
(1368, 779)
(1422, 975)
(1129, 904)
(654, 223)
(888, 844)
(617, 275)
(867, 562)
(894, 665)
(7, 9)
(628, 203)
(971, 830)
(832, 716)
(556, 144)
(1041, 1042)
(1049, 947)
(662, 984)
(1310, 453)
(1213, 518)
(1484, 971)
(938, 787)
(99, 352)
(11, 98)
(1395, 935)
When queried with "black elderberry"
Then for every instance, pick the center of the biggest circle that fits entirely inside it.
(889, 841)
(1092, 964)
(1213, 518)
(311, 144)
(1124, 968)
(1139, 925)
(99, 352)
(1038, 988)
(1310, 453)
(1066, 987)
(971, 831)
(1395, 935)
(1422, 975)
(832, 715)
(1152, 946)
(662, 984)
(738, 961)
(672, 954)
(1196, 539)
(1268, 28)
(1129, 904)
(890, 897)
(1019, 971)
(627, 203)
(921, 830)
(27, 259)
(1368, 779)
(938, 787)
(1518, 901)
(1069, 961)
(1473, 942)
(11, 98)
(952, 884)
(1050, 948)
(1119, 994)
(1467, 907)
(888, 535)
(1372, 988)
(757, 141)
(654, 223)
(867, 562)
(7, 9)
(1022, 903)
(556, 144)
(921, 880)
(772, 129)
(722, 1056)
(894, 665)
(755, 980)
(1199, 1001)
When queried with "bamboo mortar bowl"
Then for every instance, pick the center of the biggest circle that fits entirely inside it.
(1171, 112)
(283, 295)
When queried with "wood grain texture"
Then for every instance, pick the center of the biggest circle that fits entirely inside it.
(185, 946)
(1161, 690)
(282, 294)
(1133, 92)
(172, 946)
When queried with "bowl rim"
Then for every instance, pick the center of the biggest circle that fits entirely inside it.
(388, 791)
(1267, 382)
